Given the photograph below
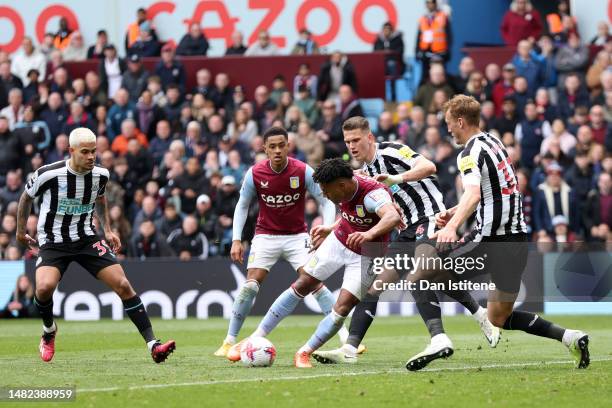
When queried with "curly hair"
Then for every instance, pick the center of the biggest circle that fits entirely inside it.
(331, 170)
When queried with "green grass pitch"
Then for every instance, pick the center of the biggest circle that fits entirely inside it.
(108, 363)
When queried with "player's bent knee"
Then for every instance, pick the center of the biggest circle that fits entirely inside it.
(124, 289)
(251, 285)
(343, 310)
(305, 284)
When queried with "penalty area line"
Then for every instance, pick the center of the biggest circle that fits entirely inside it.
(324, 375)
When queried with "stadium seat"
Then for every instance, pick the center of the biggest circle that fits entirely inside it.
(373, 123)
(372, 107)
(403, 90)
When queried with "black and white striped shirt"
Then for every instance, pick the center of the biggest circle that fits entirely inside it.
(420, 199)
(484, 162)
(68, 201)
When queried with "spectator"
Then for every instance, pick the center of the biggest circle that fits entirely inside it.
(60, 152)
(149, 211)
(190, 185)
(329, 130)
(234, 166)
(206, 217)
(414, 133)
(521, 22)
(509, 119)
(77, 118)
(572, 58)
(95, 95)
(527, 65)
(12, 190)
(31, 91)
(62, 37)
(148, 243)
(530, 133)
(307, 104)
(173, 106)
(203, 85)
(60, 83)
(305, 78)
(597, 214)
(76, 50)
(437, 80)
(47, 46)
(262, 47)
(580, 177)
(148, 114)
(600, 128)
(121, 110)
(572, 96)
(544, 107)
(349, 103)
(21, 303)
(475, 87)
(96, 51)
(521, 95)
(432, 143)
(226, 201)
(237, 47)
(466, 68)
(170, 221)
(492, 77)
(305, 45)
(553, 198)
(221, 94)
(309, 144)
(129, 131)
(279, 87)
(392, 41)
(188, 242)
(337, 71)
(133, 31)
(120, 226)
(111, 69)
(146, 45)
(603, 34)
(387, 131)
(170, 70)
(194, 43)
(56, 61)
(242, 128)
(602, 61)
(560, 23)
(14, 111)
(547, 59)
(29, 58)
(134, 80)
(54, 115)
(33, 134)
(8, 81)
(434, 37)
(566, 140)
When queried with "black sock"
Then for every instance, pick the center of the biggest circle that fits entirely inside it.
(429, 308)
(138, 314)
(533, 324)
(464, 297)
(362, 319)
(46, 310)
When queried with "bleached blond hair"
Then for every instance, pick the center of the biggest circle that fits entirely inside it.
(81, 135)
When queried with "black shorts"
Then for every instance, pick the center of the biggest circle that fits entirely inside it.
(503, 257)
(93, 254)
(419, 231)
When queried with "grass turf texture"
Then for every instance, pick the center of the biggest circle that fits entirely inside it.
(109, 364)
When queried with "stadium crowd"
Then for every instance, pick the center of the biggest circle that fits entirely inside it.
(177, 156)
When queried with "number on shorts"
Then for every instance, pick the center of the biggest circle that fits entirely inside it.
(102, 247)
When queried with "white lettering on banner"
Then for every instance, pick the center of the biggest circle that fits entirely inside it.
(348, 25)
(214, 296)
(81, 298)
(157, 297)
(183, 302)
(111, 298)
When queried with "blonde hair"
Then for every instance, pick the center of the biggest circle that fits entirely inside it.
(465, 107)
(81, 135)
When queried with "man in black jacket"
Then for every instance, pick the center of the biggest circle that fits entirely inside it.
(10, 150)
(149, 243)
(336, 72)
(135, 78)
(597, 214)
(390, 40)
(194, 43)
(190, 185)
(188, 242)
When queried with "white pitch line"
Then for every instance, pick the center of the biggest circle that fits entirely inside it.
(341, 374)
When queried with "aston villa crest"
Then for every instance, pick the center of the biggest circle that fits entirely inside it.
(294, 182)
(360, 211)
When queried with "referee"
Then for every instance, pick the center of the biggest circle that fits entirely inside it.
(70, 191)
(411, 179)
(491, 191)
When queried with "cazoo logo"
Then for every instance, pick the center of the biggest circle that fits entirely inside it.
(280, 198)
(357, 220)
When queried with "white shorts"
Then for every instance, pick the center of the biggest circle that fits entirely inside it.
(267, 249)
(333, 255)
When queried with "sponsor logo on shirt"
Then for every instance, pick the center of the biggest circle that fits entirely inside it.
(73, 206)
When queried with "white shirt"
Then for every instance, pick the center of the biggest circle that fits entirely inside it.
(22, 63)
(113, 73)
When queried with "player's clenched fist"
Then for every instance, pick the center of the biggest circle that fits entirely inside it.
(237, 252)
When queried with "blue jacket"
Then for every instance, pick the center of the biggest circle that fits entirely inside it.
(116, 115)
(543, 200)
(531, 70)
(175, 74)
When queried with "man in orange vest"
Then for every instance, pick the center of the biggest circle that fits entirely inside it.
(434, 37)
(561, 23)
(133, 31)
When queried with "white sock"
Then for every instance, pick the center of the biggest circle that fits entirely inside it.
(51, 329)
(343, 333)
(230, 339)
(151, 344)
(349, 350)
(259, 332)
(568, 337)
(481, 314)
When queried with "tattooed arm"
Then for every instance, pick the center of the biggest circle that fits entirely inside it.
(23, 212)
(104, 219)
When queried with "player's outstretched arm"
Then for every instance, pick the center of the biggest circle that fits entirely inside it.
(23, 212)
(422, 168)
(241, 212)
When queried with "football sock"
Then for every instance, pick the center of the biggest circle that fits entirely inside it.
(138, 314)
(46, 311)
(362, 319)
(533, 324)
(429, 308)
(241, 308)
(326, 301)
(281, 308)
(325, 331)
(464, 297)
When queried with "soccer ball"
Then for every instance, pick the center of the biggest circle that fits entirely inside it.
(257, 352)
